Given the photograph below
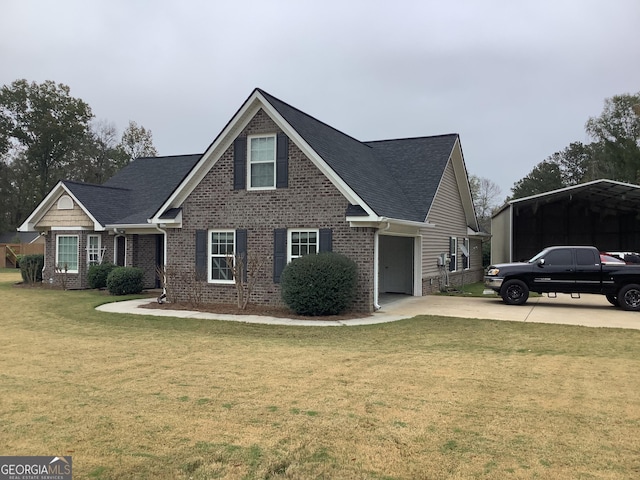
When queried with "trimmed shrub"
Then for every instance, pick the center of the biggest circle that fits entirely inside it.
(98, 274)
(323, 284)
(31, 267)
(125, 280)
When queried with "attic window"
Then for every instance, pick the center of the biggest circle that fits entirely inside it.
(65, 203)
(262, 162)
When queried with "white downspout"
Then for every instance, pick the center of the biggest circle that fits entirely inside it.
(376, 264)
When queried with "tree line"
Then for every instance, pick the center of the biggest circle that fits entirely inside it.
(613, 153)
(47, 135)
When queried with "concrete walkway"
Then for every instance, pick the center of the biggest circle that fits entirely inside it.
(590, 311)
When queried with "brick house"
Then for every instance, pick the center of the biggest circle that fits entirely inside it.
(278, 183)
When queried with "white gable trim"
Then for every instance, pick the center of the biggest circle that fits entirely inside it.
(45, 205)
(222, 142)
(456, 160)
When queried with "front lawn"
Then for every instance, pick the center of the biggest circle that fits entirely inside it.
(431, 397)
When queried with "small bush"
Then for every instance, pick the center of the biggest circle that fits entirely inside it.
(125, 280)
(31, 267)
(98, 274)
(322, 284)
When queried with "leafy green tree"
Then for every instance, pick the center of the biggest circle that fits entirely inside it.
(575, 163)
(617, 129)
(47, 135)
(7, 194)
(47, 125)
(137, 142)
(614, 153)
(544, 177)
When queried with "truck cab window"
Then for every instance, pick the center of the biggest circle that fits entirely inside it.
(558, 257)
(586, 257)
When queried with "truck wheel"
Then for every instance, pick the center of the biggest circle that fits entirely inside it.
(613, 300)
(514, 292)
(629, 297)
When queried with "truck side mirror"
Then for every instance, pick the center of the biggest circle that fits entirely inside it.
(540, 262)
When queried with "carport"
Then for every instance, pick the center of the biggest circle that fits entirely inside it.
(603, 213)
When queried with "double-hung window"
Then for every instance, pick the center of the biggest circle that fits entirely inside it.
(67, 253)
(466, 254)
(262, 162)
(453, 254)
(221, 254)
(94, 247)
(302, 242)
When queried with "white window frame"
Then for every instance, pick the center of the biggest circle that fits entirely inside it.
(211, 255)
(453, 254)
(60, 264)
(97, 251)
(251, 162)
(467, 244)
(290, 244)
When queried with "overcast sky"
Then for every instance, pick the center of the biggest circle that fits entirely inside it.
(517, 80)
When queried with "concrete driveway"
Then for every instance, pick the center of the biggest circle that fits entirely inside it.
(589, 310)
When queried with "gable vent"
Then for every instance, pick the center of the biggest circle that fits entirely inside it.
(65, 203)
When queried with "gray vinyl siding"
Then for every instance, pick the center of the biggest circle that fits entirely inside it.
(447, 214)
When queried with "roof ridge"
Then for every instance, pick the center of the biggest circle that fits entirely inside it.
(414, 138)
(267, 95)
(171, 156)
(87, 184)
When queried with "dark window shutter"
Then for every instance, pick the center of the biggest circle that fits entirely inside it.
(241, 249)
(326, 240)
(279, 252)
(239, 163)
(201, 254)
(282, 161)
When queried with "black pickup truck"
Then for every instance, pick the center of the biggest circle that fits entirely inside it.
(572, 270)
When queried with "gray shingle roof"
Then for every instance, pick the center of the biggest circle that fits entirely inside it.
(135, 193)
(396, 178)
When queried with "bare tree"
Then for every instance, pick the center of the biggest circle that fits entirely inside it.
(245, 284)
(485, 193)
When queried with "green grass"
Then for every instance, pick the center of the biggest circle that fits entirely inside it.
(430, 397)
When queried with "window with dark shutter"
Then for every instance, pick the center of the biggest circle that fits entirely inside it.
(282, 161)
(239, 163)
(326, 240)
(201, 254)
(241, 249)
(279, 252)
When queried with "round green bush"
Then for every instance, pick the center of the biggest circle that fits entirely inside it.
(98, 274)
(31, 267)
(323, 284)
(125, 280)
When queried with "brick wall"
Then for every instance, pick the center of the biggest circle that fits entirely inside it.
(141, 251)
(310, 201)
(144, 257)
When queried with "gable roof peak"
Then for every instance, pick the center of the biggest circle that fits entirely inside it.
(271, 99)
